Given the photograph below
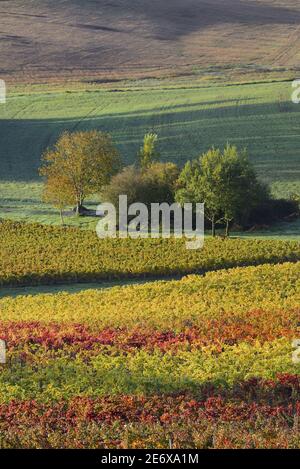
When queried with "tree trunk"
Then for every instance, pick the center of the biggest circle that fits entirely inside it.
(227, 229)
(213, 228)
(78, 208)
(62, 217)
(79, 203)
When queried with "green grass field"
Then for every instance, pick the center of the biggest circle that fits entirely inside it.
(188, 121)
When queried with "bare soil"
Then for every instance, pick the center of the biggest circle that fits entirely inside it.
(113, 39)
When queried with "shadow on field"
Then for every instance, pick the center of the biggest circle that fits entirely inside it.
(270, 131)
(166, 20)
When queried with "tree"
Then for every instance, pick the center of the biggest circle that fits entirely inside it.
(199, 183)
(82, 162)
(239, 188)
(148, 153)
(57, 192)
(225, 182)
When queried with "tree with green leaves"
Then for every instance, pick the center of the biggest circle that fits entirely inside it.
(225, 182)
(199, 182)
(148, 153)
(80, 163)
(240, 189)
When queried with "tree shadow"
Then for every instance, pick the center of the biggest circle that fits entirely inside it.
(185, 132)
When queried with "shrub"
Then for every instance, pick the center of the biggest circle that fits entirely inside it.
(155, 184)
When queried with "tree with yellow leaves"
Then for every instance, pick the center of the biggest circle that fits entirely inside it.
(57, 192)
(79, 165)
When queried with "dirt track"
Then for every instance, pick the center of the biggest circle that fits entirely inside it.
(121, 38)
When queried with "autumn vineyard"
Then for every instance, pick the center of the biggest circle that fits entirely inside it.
(200, 362)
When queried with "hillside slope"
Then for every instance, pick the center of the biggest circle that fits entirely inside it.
(188, 121)
(113, 38)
